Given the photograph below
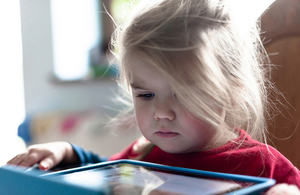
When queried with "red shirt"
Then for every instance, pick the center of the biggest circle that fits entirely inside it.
(241, 156)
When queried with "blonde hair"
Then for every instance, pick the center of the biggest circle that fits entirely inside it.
(211, 62)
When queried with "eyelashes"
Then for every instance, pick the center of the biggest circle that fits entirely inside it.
(146, 96)
(149, 96)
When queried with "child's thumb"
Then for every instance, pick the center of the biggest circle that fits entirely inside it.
(47, 163)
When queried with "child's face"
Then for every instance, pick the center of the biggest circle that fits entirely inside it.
(160, 115)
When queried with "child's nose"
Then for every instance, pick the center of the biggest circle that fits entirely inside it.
(164, 110)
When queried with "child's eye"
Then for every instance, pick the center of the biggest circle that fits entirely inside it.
(146, 96)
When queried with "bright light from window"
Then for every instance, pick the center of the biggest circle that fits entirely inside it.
(75, 28)
(12, 106)
(248, 11)
(11, 76)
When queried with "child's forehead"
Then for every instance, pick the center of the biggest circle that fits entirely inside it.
(151, 81)
(141, 70)
(181, 62)
(144, 75)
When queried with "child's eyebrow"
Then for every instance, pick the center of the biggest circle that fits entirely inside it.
(136, 86)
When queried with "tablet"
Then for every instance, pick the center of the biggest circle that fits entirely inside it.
(142, 178)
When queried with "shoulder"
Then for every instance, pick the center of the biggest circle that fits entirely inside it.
(275, 164)
(267, 153)
(280, 167)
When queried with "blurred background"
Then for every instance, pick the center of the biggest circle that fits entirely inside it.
(57, 84)
(55, 77)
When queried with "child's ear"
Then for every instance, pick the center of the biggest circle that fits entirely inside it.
(141, 149)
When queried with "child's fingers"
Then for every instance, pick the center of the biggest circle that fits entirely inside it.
(31, 159)
(17, 159)
(48, 162)
(47, 155)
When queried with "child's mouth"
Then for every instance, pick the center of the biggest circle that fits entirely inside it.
(166, 134)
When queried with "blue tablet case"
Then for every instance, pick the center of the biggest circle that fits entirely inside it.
(127, 177)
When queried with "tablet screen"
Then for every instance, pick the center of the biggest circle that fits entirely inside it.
(139, 180)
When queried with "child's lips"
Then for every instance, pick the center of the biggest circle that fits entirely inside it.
(166, 134)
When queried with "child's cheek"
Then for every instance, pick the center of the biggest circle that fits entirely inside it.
(196, 123)
(142, 115)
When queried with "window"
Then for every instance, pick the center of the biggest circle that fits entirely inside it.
(76, 33)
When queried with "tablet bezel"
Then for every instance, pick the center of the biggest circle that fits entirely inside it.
(260, 184)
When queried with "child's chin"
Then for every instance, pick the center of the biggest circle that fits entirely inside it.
(173, 150)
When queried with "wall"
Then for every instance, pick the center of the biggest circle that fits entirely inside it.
(281, 26)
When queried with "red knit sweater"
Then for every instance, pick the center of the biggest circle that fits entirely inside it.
(250, 158)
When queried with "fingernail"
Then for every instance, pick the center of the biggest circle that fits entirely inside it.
(43, 167)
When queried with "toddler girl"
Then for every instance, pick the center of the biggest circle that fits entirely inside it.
(198, 82)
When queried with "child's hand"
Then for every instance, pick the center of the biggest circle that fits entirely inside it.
(47, 155)
(283, 189)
